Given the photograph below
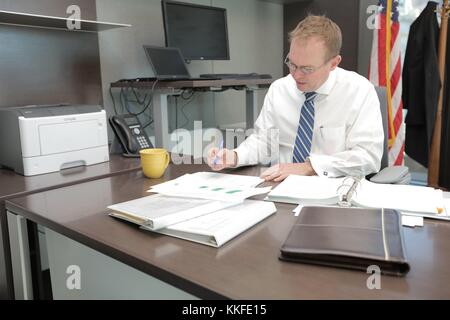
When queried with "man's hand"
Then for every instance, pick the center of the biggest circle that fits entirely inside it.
(219, 159)
(279, 172)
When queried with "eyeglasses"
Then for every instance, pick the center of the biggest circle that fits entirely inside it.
(305, 69)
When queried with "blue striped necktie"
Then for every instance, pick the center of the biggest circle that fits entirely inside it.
(305, 129)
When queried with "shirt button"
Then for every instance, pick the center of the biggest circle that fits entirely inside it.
(325, 173)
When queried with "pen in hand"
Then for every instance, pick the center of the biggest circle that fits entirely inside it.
(220, 148)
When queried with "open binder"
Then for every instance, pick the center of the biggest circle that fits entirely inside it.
(159, 211)
(217, 228)
(348, 238)
(203, 221)
(358, 192)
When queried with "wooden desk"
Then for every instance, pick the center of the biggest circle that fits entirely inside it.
(14, 185)
(164, 89)
(245, 268)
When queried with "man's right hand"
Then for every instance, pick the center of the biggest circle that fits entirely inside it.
(219, 159)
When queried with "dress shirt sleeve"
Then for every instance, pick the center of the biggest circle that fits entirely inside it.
(364, 144)
(259, 146)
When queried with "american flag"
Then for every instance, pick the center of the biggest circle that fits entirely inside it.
(385, 70)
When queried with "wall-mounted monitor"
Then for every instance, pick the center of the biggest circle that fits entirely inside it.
(200, 32)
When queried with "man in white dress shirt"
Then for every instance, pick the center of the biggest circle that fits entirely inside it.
(329, 119)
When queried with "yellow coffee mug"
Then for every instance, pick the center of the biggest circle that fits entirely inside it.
(154, 162)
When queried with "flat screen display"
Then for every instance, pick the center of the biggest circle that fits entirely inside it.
(200, 32)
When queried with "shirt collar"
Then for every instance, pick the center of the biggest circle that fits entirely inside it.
(326, 87)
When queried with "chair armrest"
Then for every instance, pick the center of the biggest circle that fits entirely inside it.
(393, 175)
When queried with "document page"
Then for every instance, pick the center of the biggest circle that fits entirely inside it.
(213, 186)
(301, 189)
(444, 215)
(227, 180)
(401, 197)
(214, 179)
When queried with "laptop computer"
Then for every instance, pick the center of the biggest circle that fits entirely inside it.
(168, 63)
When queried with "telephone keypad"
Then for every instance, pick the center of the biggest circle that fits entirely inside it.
(142, 142)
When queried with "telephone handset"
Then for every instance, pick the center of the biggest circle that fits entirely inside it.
(130, 134)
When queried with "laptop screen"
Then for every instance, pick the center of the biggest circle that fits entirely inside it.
(167, 63)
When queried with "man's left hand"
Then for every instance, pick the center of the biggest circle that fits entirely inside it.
(279, 172)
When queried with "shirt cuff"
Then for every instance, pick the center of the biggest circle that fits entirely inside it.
(243, 156)
(323, 168)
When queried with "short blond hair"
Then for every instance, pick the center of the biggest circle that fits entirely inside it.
(322, 28)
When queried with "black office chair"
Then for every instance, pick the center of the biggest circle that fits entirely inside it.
(388, 174)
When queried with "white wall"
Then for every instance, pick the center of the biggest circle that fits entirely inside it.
(256, 45)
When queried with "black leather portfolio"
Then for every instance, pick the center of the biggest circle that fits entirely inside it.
(349, 238)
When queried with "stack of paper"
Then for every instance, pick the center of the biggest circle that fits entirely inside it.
(406, 198)
(307, 190)
(443, 214)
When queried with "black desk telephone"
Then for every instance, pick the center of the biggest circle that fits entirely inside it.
(130, 134)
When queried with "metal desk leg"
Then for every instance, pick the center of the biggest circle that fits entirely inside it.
(20, 256)
(6, 278)
(161, 120)
(251, 104)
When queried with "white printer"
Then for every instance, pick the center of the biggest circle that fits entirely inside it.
(41, 139)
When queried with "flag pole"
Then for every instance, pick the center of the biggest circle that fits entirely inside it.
(435, 150)
(388, 71)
